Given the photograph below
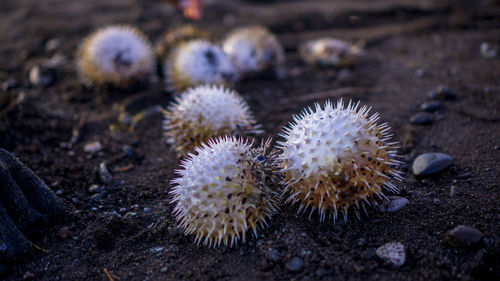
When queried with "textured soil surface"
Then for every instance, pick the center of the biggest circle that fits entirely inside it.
(412, 47)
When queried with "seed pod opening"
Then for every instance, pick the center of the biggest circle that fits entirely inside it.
(223, 190)
(335, 158)
(115, 55)
(206, 112)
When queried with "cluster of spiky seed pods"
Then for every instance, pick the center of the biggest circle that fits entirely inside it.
(331, 159)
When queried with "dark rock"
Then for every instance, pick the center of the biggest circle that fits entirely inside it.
(42, 76)
(75, 200)
(98, 197)
(295, 264)
(436, 201)
(442, 93)
(463, 236)
(147, 210)
(63, 232)
(422, 118)
(463, 176)
(275, 255)
(394, 204)
(128, 151)
(431, 106)
(430, 163)
(96, 188)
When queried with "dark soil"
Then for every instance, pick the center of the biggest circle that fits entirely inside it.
(411, 49)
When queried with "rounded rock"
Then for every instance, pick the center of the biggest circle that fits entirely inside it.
(463, 236)
(422, 118)
(394, 204)
(392, 253)
(431, 106)
(295, 264)
(431, 163)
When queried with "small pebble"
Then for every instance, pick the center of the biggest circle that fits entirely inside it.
(431, 163)
(97, 197)
(394, 204)
(393, 253)
(75, 200)
(442, 93)
(436, 202)
(63, 232)
(463, 236)
(422, 118)
(295, 264)
(128, 151)
(28, 275)
(52, 44)
(39, 76)
(146, 210)
(96, 188)
(92, 147)
(454, 191)
(431, 106)
(487, 51)
(156, 250)
(104, 174)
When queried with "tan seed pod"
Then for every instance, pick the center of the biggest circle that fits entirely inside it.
(206, 112)
(198, 62)
(176, 36)
(115, 55)
(255, 50)
(330, 52)
(337, 158)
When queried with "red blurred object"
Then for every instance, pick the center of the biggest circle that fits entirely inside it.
(190, 8)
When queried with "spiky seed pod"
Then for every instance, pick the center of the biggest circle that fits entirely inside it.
(206, 112)
(330, 52)
(223, 190)
(255, 50)
(337, 157)
(176, 36)
(198, 62)
(116, 55)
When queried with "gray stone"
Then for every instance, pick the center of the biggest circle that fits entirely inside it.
(442, 93)
(463, 236)
(422, 118)
(436, 201)
(275, 255)
(92, 147)
(392, 253)
(394, 204)
(156, 250)
(431, 163)
(96, 188)
(487, 51)
(104, 174)
(295, 264)
(431, 106)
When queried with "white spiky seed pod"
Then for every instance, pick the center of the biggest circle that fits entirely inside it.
(330, 52)
(225, 189)
(255, 50)
(198, 62)
(337, 157)
(116, 55)
(205, 112)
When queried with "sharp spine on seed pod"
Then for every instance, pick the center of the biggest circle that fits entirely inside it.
(198, 62)
(255, 50)
(225, 189)
(334, 158)
(207, 112)
(115, 55)
(178, 35)
(330, 51)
